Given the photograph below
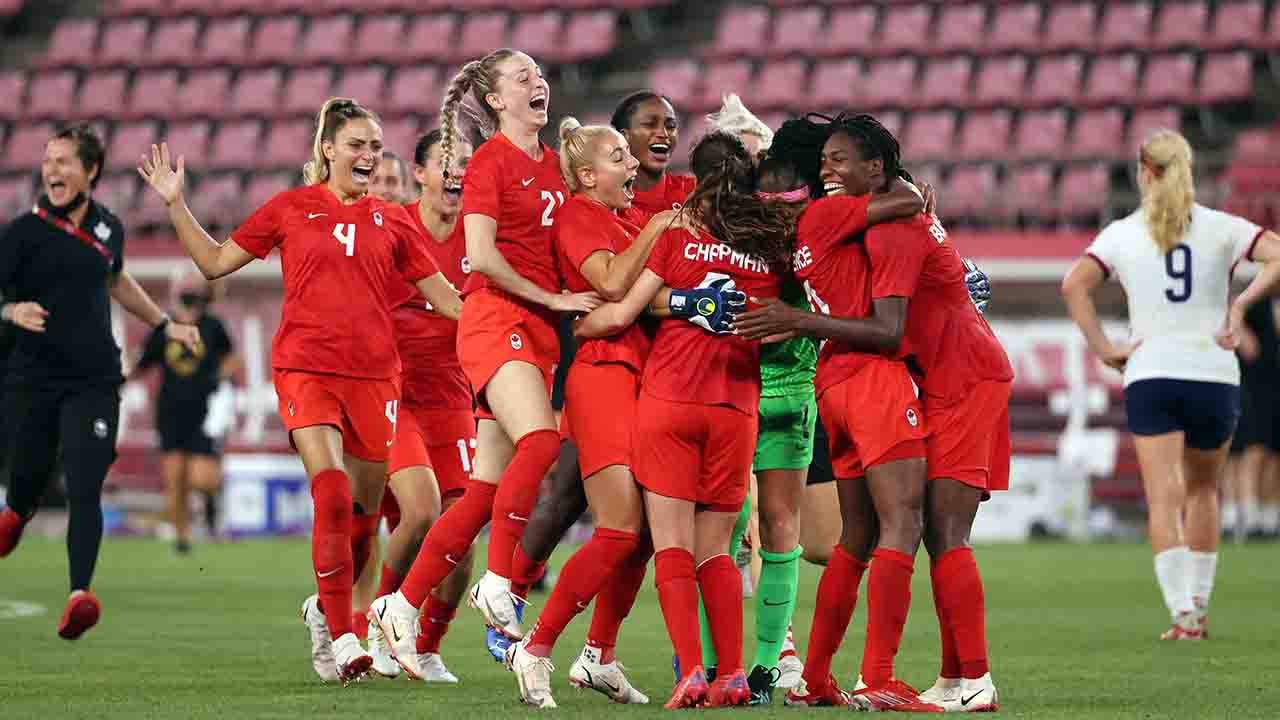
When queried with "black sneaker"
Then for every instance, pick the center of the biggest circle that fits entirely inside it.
(710, 673)
(762, 681)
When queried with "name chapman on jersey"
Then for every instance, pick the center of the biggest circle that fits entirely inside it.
(719, 252)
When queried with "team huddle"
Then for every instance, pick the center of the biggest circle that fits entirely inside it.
(412, 334)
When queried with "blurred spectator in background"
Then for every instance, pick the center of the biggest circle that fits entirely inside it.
(1251, 493)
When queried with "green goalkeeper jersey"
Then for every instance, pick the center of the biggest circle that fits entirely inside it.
(788, 368)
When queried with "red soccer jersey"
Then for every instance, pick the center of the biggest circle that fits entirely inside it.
(952, 344)
(432, 376)
(669, 193)
(342, 266)
(688, 364)
(523, 196)
(583, 228)
(832, 263)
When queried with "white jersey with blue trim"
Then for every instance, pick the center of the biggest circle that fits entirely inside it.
(1177, 300)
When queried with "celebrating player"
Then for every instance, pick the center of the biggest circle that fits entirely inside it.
(343, 253)
(1174, 259)
(390, 180)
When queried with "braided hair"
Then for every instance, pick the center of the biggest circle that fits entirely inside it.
(724, 201)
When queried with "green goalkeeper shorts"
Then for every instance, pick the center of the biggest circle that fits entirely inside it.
(786, 432)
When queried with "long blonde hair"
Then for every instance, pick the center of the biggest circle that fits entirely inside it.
(464, 99)
(577, 148)
(1167, 198)
(334, 114)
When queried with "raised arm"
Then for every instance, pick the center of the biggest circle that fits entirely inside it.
(613, 275)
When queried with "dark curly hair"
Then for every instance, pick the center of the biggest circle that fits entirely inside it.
(800, 142)
(724, 201)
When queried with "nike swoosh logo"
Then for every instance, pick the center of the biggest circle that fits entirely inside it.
(313, 216)
(327, 574)
(388, 443)
(774, 604)
(449, 559)
(611, 686)
(964, 701)
(382, 613)
(517, 518)
(526, 182)
(394, 635)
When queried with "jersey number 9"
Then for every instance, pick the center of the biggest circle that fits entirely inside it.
(1177, 263)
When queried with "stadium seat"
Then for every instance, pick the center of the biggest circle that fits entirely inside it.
(796, 29)
(1028, 191)
(904, 29)
(257, 92)
(17, 194)
(1070, 27)
(969, 190)
(1112, 80)
(677, 79)
(588, 35)
(889, 83)
(328, 39)
(1272, 39)
(123, 42)
(288, 143)
(538, 34)
(190, 139)
(172, 42)
(415, 90)
(741, 30)
(128, 143)
(101, 94)
(429, 38)
(154, 94)
(1168, 78)
(1236, 25)
(480, 33)
(1226, 77)
(1180, 25)
(367, 85)
(264, 186)
(835, 83)
(13, 85)
(929, 137)
(401, 135)
(1099, 134)
(119, 192)
(849, 31)
(380, 38)
(959, 28)
(779, 84)
(138, 7)
(50, 94)
(1082, 191)
(1041, 134)
(25, 150)
(1147, 121)
(275, 39)
(237, 144)
(1002, 81)
(1056, 80)
(720, 78)
(1016, 27)
(307, 89)
(946, 83)
(217, 199)
(1125, 26)
(226, 41)
(985, 135)
(74, 42)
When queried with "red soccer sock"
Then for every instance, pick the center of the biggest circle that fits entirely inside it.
(390, 509)
(581, 579)
(447, 541)
(331, 547)
(950, 660)
(362, 529)
(389, 581)
(360, 623)
(615, 601)
(888, 599)
(524, 572)
(517, 494)
(678, 596)
(433, 623)
(721, 585)
(837, 596)
(958, 587)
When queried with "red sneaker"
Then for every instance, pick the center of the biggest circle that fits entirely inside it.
(82, 612)
(827, 695)
(729, 690)
(690, 692)
(890, 696)
(11, 525)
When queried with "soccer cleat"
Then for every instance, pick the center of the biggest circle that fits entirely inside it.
(11, 526)
(607, 679)
(828, 695)
(352, 661)
(82, 612)
(943, 688)
(1185, 627)
(1202, 616)
(978, 695)
(893, 695)
(790, 670)
(762, 681)
(321, 643)
(497, 643)
(729, 690)
(384, 663)
(675, 667)
(431, 669)
(533, 676)
(397, 620)
(492, 598)
(690, 692)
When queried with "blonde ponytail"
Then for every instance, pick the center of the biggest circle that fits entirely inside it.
(334, 114)
(1167, 198)
(464, 99)
(577, 148)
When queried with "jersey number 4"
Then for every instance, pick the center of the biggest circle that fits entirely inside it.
(346, 234)
(1177, 263)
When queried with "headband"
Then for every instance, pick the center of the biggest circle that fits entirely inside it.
(800, 194)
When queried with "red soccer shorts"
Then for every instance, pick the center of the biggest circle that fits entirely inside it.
(600, 413)
(969, 438)
(496, 329)
(443, 440)
(871, 418)
(363, 409)
(698, 453)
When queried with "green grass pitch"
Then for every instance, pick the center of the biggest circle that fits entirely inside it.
(1072, 631)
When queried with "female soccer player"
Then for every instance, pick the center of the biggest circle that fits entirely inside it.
(1174, 259)
(64, 261)
(390, 180)
(343, 254)
(652, 130)
(507, 342)
(191, 450)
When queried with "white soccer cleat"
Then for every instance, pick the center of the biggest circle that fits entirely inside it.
(321, 642)
(978, 695)
(384, 663)
(588, 673)
(790, 671)
(431, 669)
(533, 676)
(398, 622)
(352, 660)
(492, 598)
(943, 689)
